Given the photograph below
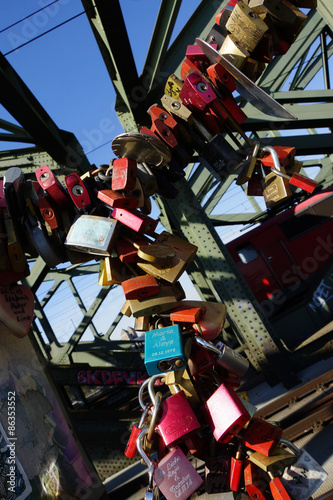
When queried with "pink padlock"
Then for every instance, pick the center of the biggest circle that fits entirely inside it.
(225, 413)
(196, 93)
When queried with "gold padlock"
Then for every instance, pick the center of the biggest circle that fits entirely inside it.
(248, 166)
(181, 378)
(173, 86)
(275, 188)
(233, 50)
(171, 271)
(279, 459)
(246, 26)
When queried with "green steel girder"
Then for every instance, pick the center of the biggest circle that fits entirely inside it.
(19, 101)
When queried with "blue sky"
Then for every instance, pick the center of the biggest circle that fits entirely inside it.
(64, 68)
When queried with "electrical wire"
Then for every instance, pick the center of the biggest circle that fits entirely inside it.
(48, 31)
(27, 17)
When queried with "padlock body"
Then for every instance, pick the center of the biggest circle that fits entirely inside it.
(178, 421)
(93, 234)
(236, 469)
(164, 350)
(140, 287)
(254, 485)
(217, 473)
(176, 477)
(225, 413)
(262, 436)
(130, 450)
(135, 219)
(124, 174)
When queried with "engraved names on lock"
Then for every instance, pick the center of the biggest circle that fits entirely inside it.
(176, 477)
(164, 350)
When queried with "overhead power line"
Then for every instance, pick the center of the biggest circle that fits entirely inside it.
(27, 17)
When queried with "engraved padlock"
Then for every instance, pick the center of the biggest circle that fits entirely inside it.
(164, 350)
(226, 357)
(305, 476)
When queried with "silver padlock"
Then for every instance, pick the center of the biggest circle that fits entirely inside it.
(305, 476)
(226, 357)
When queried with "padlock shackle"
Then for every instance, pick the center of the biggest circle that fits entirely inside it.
(140, 394)
(207, 345)
(274, 155)
(152, 425)
(151, 382)
(142, 452)
(290, 445)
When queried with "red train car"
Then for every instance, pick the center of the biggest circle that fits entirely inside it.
(285, 255)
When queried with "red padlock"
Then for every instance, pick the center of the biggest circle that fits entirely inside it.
(200, 360)
(236, 469)
(164, 132)
(262, 436)
(49, 212)
(124, 171)
(51, 184)
(277, 489)
(285, 155)
(196, 93)
(77, 191)
(158, 113)
(195, 54)
(187, 314)
(140, 287)
(136, 220)
(131, 449)
(115, 199)
(254, 485)
(220, 77)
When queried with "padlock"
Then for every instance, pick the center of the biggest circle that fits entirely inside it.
(220, 77)
(219, 157)
(116, 199)
(226, 357)
(50, 212)
(165, 299)
(196, 94)
(141, 323)
(275, 187)
(171, 271)
(248, 166)
(176, 108)
(254, 484)
(125, 249)
(152, 489)
(278, 491)
(185, 314)
(78, 191)
(151, 251)
(124, 172)
(285, 154)
(51, 184)
(217, 472)
(276, 462)
(111, 271)
(140, 287)
(13, 185)
(176, 477)
(276, 9)
(232, 50)
(197, 57)
(225, 413)
(216, 35)
(135, 220)
(262, 436)
(130, 450)
(16, 309)
(222, 17)
(200, 360)
(164, 350)
(305, 476)
(173, 86)
(182, 379)
(178, 420)
(255, 185)
(157, 113)
(246, 26)
(295, 179)
(253, 69)
(164, 133)
(236, 468)
(93, 234)
(211, 324)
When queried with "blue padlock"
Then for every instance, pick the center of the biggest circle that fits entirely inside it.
(164, 350)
